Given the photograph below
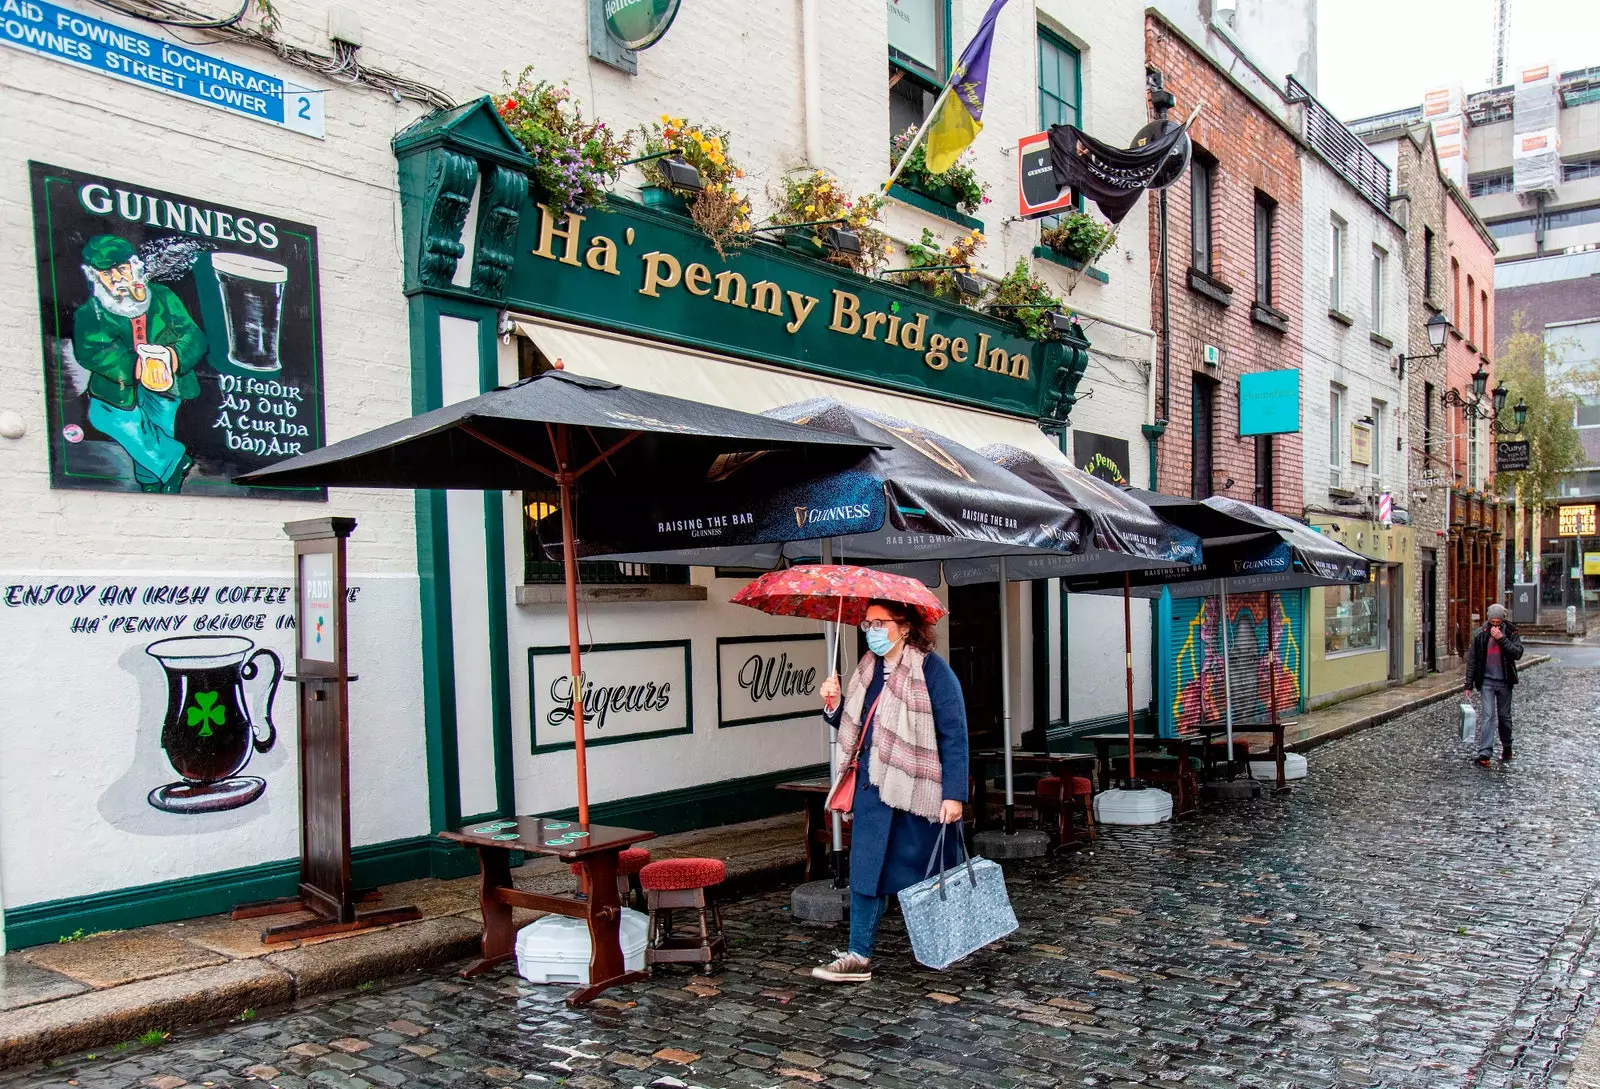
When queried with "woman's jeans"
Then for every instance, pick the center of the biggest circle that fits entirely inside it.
(865, 914)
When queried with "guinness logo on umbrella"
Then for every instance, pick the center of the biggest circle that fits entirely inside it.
(800, 517)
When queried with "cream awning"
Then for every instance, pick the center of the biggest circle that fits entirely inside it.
(756, 387)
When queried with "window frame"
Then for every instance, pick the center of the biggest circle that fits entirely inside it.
(1427, 262)
(1378, 410)
(1198, 481)
(1336, 444)
(1202, 198)
(1453, 298)
(1472, 308)
(1046, 36)
(1427, 423)
(1265, 223)
(1380, 285)
(936, 81)
(1472, 452)
(1337, 231)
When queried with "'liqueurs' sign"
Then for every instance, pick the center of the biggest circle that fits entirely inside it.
(120, 53)
(769, 678)
(630, 691)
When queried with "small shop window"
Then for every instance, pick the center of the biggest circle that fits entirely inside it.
(1355, 618)
(541, 508)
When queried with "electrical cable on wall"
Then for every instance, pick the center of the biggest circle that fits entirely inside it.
(342, 65)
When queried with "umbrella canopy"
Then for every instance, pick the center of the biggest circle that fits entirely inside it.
(557, 429)
(835, 592)
(944, 501)
(1126, 534)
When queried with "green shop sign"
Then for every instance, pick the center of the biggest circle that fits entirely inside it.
(639, 24)
(651, 272)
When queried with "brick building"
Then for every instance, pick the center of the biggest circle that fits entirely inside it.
(1233, 283)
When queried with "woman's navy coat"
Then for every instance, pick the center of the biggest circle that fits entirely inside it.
(890, 848)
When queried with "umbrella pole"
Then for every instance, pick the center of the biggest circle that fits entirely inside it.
(1227, 673)
(569, 557)
(1127, 648)
(1005, 700)
(833, 737)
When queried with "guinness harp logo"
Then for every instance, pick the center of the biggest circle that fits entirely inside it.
(800, 517)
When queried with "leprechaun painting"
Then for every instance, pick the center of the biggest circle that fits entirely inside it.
(140, 346)
(180, 338)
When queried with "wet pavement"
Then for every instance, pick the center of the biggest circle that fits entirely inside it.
(1402, 918)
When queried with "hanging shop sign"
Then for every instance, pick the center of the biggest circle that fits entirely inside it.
(769, 678)
(630, 691)
(1360, 444)
(1269, 402)
(639, 24)
(1576, 520)
(1512, 456)
(181, 338)
(124, 54)
(1037, 191)
(1101, 456)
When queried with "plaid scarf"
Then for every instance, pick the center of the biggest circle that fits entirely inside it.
(904, 761)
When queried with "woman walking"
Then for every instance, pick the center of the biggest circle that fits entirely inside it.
(904, 714)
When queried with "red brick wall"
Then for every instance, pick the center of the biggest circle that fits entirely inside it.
(1252, 152)
(1472, 337)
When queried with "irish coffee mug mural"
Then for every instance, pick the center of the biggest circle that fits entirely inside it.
(181, 337)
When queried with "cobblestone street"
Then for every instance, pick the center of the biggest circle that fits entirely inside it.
(1402, 918)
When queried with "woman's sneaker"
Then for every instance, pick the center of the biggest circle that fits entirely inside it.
(846, 968)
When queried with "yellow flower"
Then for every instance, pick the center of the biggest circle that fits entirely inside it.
(666, 119)
(694, 134)
(810, 208)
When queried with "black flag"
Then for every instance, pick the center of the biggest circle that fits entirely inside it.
(1112, 177)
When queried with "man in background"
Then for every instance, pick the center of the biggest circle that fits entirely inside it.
(1492, 670)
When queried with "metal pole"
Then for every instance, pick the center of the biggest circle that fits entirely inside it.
(1127, 649)
(1227, 672)
(833, 635)
(1005, 698)
(569, 558)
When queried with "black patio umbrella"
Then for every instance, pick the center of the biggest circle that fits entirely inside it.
(567, 430)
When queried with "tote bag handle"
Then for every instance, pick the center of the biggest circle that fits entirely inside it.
(938, 853)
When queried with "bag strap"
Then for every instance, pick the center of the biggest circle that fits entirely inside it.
(866, 723)
(962, 858)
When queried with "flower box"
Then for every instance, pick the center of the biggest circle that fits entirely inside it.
(803, 240)
(663, 199)
(1059, 258)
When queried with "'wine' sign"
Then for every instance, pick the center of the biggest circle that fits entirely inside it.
(769, 678)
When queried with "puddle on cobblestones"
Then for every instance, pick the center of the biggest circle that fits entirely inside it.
(1402, 918)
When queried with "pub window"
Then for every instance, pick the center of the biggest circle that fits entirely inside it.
(919, 59)
(1266, 211)
(540, 509)
(1202, 170)
(1200, 442)
(1060, 90)
(1427, 262)
(1355, 618)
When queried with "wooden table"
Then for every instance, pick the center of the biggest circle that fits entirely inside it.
(1061, 764)
(595, 847)
(819, 828)
(1102, 748)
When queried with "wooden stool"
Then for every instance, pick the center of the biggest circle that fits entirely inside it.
(682, 883)
(1079, 791)
(629, 863)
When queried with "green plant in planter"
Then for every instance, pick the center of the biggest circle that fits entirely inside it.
(575, 162)
(958, 187)
(1079, 236)
(808, 196)
(1026, 300)
(718, 209)
(927, 254)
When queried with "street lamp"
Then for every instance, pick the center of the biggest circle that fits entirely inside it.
(1474, 408)
(1436, 328)
(1480, 379)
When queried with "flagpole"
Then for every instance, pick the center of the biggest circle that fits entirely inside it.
(905, 156)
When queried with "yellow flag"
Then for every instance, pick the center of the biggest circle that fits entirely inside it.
(951, 133)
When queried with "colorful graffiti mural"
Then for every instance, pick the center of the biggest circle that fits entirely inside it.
(1195, 678)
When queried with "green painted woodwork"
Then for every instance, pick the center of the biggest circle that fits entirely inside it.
(1045, 253)
(1064, 738)
(640, 270)
(932, 205)
(209, 894)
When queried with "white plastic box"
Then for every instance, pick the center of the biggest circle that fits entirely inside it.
(1294, 767)
(555, 949)
(1147, 806)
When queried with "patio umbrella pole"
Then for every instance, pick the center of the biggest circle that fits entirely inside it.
(833, 738)
(1227, 672)
(1005, 701)
(1127, 658)
(569, 558)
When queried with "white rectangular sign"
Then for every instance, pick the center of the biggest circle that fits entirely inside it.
(319, 637)
(769, 678)
(914, 32)
(630, 691)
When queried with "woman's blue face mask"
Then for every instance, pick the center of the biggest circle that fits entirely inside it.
(878, 642)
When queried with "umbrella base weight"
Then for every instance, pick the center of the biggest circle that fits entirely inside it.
(1230, 790)
(995, 844)
(1145, 806)
(820, 902)
(1294, 767)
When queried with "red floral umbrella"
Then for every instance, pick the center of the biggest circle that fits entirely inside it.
(836, 592)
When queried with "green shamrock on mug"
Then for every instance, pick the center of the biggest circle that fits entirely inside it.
(205, 711)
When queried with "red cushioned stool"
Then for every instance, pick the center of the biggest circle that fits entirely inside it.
(1079, 791)
(629, 863)
(682, 883)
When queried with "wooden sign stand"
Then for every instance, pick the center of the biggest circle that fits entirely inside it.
(321, 672)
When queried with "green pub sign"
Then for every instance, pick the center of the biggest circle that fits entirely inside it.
(639, 24)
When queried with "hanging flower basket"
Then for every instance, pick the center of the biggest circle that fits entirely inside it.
(663, 199)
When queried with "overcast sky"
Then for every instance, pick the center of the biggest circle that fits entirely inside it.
(1380, 55)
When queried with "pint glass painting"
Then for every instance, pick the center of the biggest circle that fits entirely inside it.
(181, 337)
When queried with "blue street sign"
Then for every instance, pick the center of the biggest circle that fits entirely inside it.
(1269, 402)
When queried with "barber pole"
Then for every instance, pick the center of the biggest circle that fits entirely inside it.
(1386, 509)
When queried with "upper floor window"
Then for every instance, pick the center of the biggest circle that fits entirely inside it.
(1489, 183)
(1483, 319)
(1453, 299)
(1202, 169)
(1472, 308)
(1266, 212)
(1380, 276)
(1336, 235)
(919, 59)
(1060, 89)
(1336, 426)
(1427, 262)
(1575, 169)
